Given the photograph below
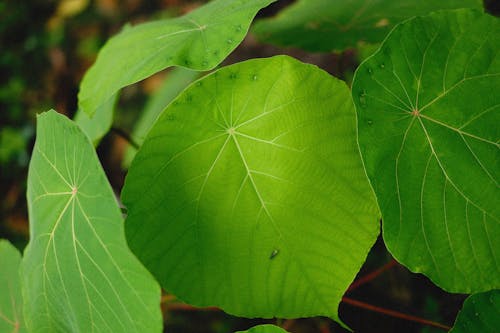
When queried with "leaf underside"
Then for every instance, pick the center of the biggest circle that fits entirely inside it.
(199, 40)
(428, 110)
(326, 25)
(480, 313)
(11, 317)
(78, 274)
(249, 193)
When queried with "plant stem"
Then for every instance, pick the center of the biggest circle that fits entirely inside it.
(288, 324)
(371, 276)
(125, 136)
(393, 313)
(187, 307)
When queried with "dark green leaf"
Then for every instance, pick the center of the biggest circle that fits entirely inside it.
(428, 109)
(480, 313)
(326, 25)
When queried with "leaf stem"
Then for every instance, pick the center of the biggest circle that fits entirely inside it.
(393, 313)
(187, 307)
(371, 276)
(124, 135)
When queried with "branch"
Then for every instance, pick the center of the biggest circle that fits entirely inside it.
(371, 276)
(125, 136)
(187, 307)
(393, 313)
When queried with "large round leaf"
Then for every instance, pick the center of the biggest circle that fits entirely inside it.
(78, 273)
(480, 313)
(249, 192)
(11, 301)
(326, 25)
(428, 108)
(199, 40)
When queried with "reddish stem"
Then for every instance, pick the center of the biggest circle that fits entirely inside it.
(371, 276)
(187, 307)
(288, 324)
(324, 328)
(393, 313)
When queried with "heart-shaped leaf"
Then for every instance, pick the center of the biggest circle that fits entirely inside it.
(199, 40)
(428, 109)
(480, 313)
(11, 316)
(78, 274)
(249, 192)
(326, 25)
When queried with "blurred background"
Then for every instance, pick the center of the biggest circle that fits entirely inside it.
(46, 47)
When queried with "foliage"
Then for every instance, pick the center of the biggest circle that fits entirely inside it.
(424, 123)
(78, 274)
(250, 191)
(199, 40)
(264, 329)
(481, 313)
(269, 143)
(11, 317)
(177, 80)
(325, 25)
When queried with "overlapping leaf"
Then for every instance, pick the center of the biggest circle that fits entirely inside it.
(480, 313)
(249, 193)
(177, 80)
(264, 329)
(78, 274)
(199, 40)
(11, 317)
(428, 109)
(99, 124)
(326, 25)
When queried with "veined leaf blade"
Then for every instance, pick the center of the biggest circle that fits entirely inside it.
(428, 129)
(199, 40)
(78, 273)
(249, 193)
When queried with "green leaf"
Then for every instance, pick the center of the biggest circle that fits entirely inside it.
(480, 313)
(249, 192)
(326, 25)
(11, 317)
(176, 81)
(99, 124)
(264, 329)
(428, 116)
(199, 40)
(78, 274)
